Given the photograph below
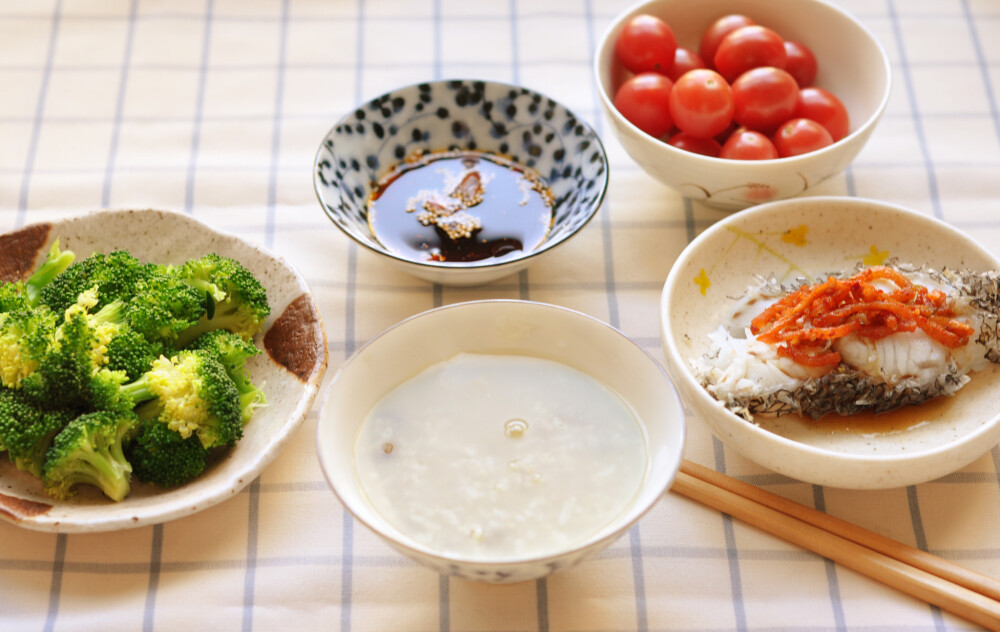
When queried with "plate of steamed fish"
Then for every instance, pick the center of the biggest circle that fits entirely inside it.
(839, 341)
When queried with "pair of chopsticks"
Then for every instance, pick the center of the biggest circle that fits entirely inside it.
(957, 590)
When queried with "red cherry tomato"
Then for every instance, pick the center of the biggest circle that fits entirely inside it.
(646, 44)
(800, 136)
(685, 59)
(724, 135)
(645, 101)
(714, 34)
(826, 109)
(764, 98)
(746, 144)
(800, 63)
(749, 47)
(703, 146)
(701, 103)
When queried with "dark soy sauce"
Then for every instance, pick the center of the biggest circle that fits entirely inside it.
(460, 207)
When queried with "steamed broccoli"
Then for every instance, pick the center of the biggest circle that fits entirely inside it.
(164, 306)
(95, 379)
(234, 299)
(163, 457)
(117, 345)
(13, 297)
(26, 430)
(56, 262)
(114, 276)
(27, 331)
(192, 393)
(73, 371)
(233, 352)
(130, 352)
(25, 294)
(90, 450)
(155, 301)
(25, 338)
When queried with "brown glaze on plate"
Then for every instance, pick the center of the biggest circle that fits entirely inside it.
(21, 251)
(21, 509)
(290, 372)
(294, 340)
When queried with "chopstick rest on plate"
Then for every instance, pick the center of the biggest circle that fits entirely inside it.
(917, 573)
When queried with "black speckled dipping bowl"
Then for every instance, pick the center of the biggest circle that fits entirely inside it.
(487, 116)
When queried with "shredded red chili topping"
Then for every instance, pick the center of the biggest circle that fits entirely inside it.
(806, 322)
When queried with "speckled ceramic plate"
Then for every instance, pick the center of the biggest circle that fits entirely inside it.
(290, 370)
(807, 237)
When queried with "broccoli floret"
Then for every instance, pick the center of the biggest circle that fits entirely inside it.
(163, 457)
(192, 393)
(27, 431)
(104, 392)
(26, 332)
(14, 297)
(155, 301)
(25, 338)
(56, 262)
(114, 275)
(164, 305)
(90, 450)
(63, 374)
(118, 346)
(233, 352)
(73, 371)
(235, 299)
(129, 352)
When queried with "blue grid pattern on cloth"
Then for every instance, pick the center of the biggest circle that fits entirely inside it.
(214, 108)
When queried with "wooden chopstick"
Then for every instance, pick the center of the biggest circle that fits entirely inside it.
(914, 557)
(911, 571)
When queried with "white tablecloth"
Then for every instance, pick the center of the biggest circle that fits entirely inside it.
(216, 107)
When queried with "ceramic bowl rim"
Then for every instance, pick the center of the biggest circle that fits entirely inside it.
(544, 247)
(608, 533)
(705, 399)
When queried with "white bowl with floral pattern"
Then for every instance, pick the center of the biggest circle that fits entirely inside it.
(859, 74)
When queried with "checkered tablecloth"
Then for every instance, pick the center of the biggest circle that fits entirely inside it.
(216, 107)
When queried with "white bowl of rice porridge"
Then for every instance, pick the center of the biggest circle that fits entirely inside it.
(500, 440)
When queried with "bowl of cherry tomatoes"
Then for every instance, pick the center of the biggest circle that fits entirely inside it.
(740, 102)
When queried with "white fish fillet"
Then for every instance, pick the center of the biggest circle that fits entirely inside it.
(749, 377)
